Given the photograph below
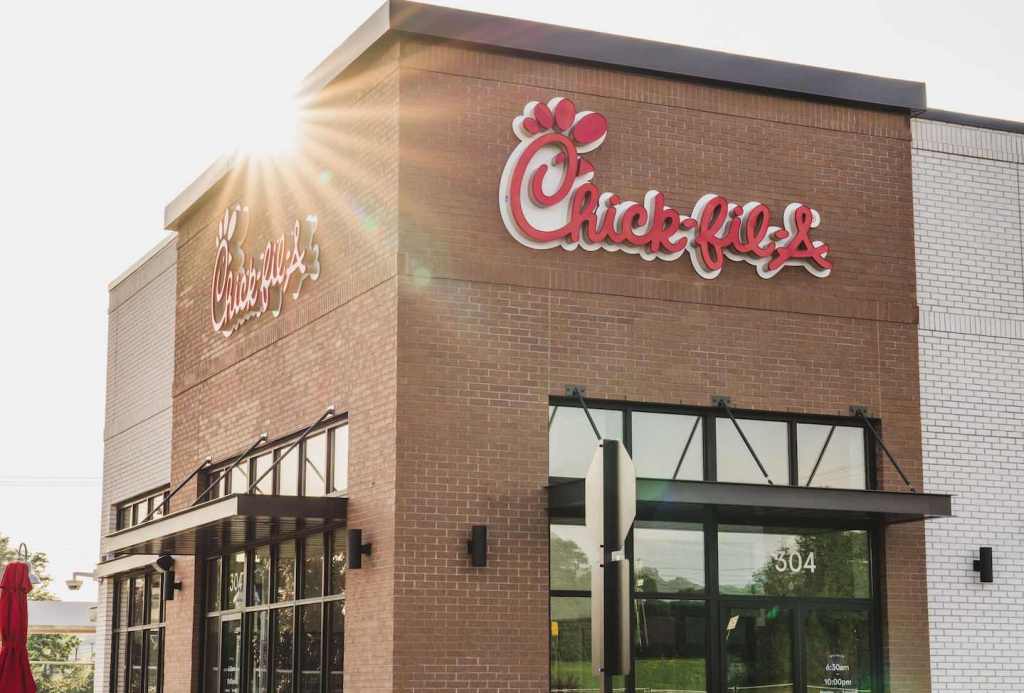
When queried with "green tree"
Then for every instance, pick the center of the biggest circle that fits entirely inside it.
(69, 678)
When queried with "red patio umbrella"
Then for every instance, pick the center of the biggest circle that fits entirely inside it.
(15, 673)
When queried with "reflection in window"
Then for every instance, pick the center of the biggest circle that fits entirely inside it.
(667, 446)
(668, 558)
(135, 661)
(309, 648)
(794, 562)
(261, 575)
(313, 566)
(285, 571)
(769, 440)
(840, 450)
(153, 668)
(315, 465)
(155, 602)
(571, 552)
(138, 603)
(336, 647)
(570, 645)
(212, 674)
(759, 649)
(572, 441)
(837, 653)
(235, 597)
(284, 660)
(213, 587)
(231, 655)
(670, 645)
(338, 564)
(259, 651)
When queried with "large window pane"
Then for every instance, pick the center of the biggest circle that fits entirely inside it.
(313, 566)
(670, 645)
(284, 571)
(135, 662)
(571, 440)
(240, 478)
(794, 562)
(155, 592)
(288, 473)
(235, 593)
(153, 661)
(284, 650)
(315, 465)
(339, 460)
(769, 440)
(668, 558)
(309, 648)
(138, 601)
(338, 563)
(570, 645)
(336, 647)
(759, 650)
(837, 651)
(212, 675)
(261, 575)
(572, 551)
(263, 463)
(231, 655)
(667, 446)
(213, 586)
(258, 655)
(842, 463)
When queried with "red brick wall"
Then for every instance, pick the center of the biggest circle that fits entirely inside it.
(489, 329)
(335, 344)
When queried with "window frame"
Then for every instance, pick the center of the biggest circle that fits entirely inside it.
(125, 515)
(121, 632)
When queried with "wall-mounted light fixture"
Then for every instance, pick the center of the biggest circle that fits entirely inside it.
(984, 564)
(356, 548)
(477, 546)
(165, 564)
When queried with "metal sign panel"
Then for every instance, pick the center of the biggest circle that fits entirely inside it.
(609, 648)
(596, 498)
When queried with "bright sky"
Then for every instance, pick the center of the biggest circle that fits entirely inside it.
(109, 109)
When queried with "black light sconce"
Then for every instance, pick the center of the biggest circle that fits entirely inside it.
(984, 564)
(356, 548)
(477, 546)
(165, 564)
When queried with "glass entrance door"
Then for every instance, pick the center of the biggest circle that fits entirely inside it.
(792, 647)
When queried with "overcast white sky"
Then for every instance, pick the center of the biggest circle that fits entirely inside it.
(109, 109)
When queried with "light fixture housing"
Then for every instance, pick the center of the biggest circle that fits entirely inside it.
(477, 546)
(983, 565)
(356, 548)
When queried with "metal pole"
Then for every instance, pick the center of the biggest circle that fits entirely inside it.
(578, 394)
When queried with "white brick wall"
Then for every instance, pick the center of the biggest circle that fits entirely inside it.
(137, 435)
(970, 268)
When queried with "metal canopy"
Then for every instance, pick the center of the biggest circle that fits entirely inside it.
(686, 500)
(230, 521)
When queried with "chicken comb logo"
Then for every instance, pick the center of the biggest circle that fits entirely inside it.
(548, 199)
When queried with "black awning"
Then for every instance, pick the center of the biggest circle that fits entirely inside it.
(658, 499)
(227, 522)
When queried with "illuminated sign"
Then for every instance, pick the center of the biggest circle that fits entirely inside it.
(246, 286)
(548, 199)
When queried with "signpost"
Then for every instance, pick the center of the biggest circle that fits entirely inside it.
(610, 511)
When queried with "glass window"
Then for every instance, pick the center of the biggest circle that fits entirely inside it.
(288, 473)
(266, 485)
(124, 518)
(338, 563)
(837, 652)
(572, 551)
(570, 646)
(339, 459)
(258, 651)
(240, 478)
(670, 645)
(138, 603)
(231, 655)
(840, 450)
(284, 650)
(235, 592)
(153, 660)
(135, 661)
(336, 647)
(285, 571)
(770, 441)
(155, 585)
(212, 676)
(759, 649)
(261, 575)
(213, 587)
(667, 446)
(794, 562)
(571, 440)
(668, 558)
(315, 465)
(141, 511)
(313, 566)
(309, 648)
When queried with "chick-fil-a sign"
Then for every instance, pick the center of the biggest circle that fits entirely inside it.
(247, 286)
(548, 199)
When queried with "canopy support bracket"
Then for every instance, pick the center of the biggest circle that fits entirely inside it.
(861, 412)
(724, 402)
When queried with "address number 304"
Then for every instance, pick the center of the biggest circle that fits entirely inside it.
(794, 562)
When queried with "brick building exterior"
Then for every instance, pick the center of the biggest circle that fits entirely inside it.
(967, 175)
(445, 347)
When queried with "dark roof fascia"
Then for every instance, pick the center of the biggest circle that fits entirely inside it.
(974, 121)
(654, 56)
